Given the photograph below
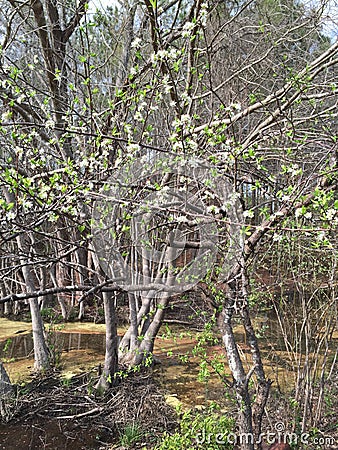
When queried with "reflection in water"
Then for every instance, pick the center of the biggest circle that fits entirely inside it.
(21, 346)
(83, 349)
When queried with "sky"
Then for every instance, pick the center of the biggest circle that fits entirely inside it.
(330, 19)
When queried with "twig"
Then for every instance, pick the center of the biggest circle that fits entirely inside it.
(87, 413)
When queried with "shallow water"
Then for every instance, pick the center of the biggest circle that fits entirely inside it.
(81, 347)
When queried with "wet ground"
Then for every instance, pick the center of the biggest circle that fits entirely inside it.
(48, 434)
(80, 347)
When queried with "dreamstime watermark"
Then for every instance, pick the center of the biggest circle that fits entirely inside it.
(154, 211)
(279, 435)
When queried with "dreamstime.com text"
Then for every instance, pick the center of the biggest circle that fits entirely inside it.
(270, 437)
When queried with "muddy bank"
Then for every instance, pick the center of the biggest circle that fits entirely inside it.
(54, 414)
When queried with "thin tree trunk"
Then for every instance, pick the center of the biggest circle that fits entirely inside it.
(60, 298)
(240, 378)
(264, 384)
(41, 354)
(111, 355)
(6, 387)
(128, 35)
(107, 378)
(147, 344)
(6, 392)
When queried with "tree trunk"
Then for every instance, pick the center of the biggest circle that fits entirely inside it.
(6, 388)
(139, 354)
(240, 378)
(250, 412)
(41, 354)
(107, 378)
(263, 388)
(6, 392)
(60, 298)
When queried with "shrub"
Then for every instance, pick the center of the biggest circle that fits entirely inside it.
(199, 431)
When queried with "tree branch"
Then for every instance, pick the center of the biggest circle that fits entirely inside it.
(74, 21)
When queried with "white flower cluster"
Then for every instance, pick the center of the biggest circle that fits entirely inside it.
(138, 116)
(26, 204)
(186, 99)
(136, 43)
(134, 70)
(4, 83)
(203, 14)
(188, 29)
(294, 170)
(249, 213)
(330, 214)
(45, 192)
(6, 116)
(50, 124)
(21, 98)
(128, 130)
(184, 122)
(191, 144)
(167, 86)
(233, 109)
(132, 148)
(11, 215)
(166, 55)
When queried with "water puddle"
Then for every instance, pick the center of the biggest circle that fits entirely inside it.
(80, 347)
(21, 346)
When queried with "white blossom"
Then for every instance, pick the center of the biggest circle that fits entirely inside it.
(20, 98)
(192, 144)
(177, 146)
(11, 215)
(187, 29)
(213, 209)
(27, 204)
(138, 116)
(248, 213)
(142, 105)
(6, 116)
(181, 219)
(53, 217)
(204, 14)
(19, 151)
(298, 212)
(49, 123)
(136, 43)
(84, 163)
(133, 148)
(330, 213)
(237, 106)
